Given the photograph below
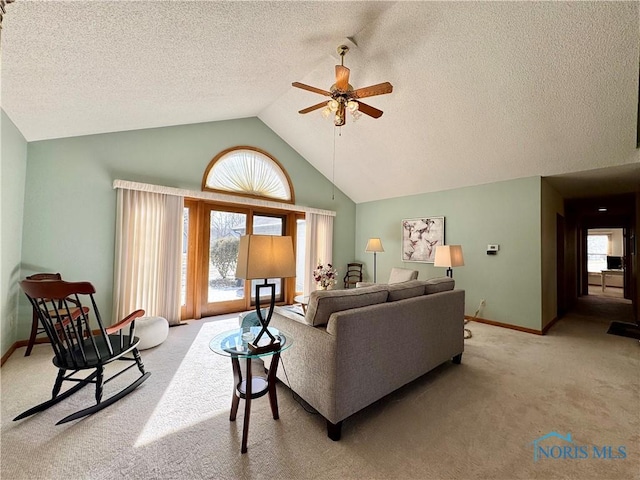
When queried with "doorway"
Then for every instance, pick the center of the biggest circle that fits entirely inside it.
(605, 262)
(614, 218)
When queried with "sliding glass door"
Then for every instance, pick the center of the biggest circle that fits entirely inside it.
(220, 291)
(268, 225)
(210, 253)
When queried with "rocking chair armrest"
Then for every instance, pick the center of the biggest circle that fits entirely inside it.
(124, 322)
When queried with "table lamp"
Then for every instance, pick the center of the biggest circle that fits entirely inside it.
(264, 257)
(449, 256)
(374, 245)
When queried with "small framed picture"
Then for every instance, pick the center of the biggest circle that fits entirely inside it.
(420, 237)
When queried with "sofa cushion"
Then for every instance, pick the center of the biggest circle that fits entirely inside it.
(440, 284)
(322, 303)
(400, 291)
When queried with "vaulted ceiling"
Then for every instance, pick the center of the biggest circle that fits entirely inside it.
(483, 91)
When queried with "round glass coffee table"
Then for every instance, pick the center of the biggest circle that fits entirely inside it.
(235, 344)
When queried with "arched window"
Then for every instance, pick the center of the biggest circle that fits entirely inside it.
(248, 171)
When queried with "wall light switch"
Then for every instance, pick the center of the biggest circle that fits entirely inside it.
(492, 249)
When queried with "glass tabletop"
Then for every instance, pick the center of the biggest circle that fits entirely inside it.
(233, 343)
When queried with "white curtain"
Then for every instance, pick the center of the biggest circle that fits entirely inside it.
(148, 254)
(319, 246)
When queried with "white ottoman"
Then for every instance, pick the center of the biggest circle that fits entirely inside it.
(151, 331)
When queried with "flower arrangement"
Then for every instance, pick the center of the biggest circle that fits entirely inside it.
(325, 276)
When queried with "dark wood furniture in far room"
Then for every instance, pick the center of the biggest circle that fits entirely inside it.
(353, 275)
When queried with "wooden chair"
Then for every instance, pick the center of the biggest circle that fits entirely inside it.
(77, 347)
(353, 275)
(36, 329)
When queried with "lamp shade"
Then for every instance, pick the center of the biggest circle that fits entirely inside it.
(374, 245)
(265, 256)
(449, 256)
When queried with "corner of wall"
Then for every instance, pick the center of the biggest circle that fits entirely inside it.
(551, 206)
(13, 168)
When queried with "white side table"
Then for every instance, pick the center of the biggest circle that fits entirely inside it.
(303, 300)
(604, 273)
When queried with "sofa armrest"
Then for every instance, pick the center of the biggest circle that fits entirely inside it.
(288, 313)
(310, 363)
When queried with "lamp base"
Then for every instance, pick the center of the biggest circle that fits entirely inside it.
(272, 343)
(264, 348)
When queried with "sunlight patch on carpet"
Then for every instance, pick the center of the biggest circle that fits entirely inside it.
(200, 389)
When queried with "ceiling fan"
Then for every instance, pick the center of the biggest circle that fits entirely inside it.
(344, 97)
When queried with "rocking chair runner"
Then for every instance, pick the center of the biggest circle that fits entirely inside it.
(65, 319)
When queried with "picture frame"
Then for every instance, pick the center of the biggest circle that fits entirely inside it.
(420, 236)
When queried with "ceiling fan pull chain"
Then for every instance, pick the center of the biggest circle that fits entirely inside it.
(333, 166)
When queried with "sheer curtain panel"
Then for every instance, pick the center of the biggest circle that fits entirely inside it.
(319, 246)
(148, 254)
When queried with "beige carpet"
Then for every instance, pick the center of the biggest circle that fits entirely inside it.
(470, 421)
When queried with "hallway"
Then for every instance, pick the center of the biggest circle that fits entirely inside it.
(609, 305)
(614, 292)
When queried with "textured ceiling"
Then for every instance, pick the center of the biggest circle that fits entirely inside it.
(483, 91)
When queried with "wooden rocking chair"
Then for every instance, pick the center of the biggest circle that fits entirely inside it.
(35, 321)
(76, 346)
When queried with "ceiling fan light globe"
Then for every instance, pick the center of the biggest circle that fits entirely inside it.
(333, 105)
(326, 111)
(352, 106)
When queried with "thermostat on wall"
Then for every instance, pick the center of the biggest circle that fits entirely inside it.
(492, 249)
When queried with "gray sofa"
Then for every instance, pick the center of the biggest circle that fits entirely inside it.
(353, 347)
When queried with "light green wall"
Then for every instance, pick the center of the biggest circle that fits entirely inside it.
(13, 166)
(552, 204)
(70, 206)
(505, 213)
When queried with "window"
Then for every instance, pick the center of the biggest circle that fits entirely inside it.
(597, 251)
(248, 171)
(213, 228)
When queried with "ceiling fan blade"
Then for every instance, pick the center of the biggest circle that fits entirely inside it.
(314, 107)
(373, 90)
(311, 89)
(342, 78)
(369, 110)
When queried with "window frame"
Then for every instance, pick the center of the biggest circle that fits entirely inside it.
(224, 153)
